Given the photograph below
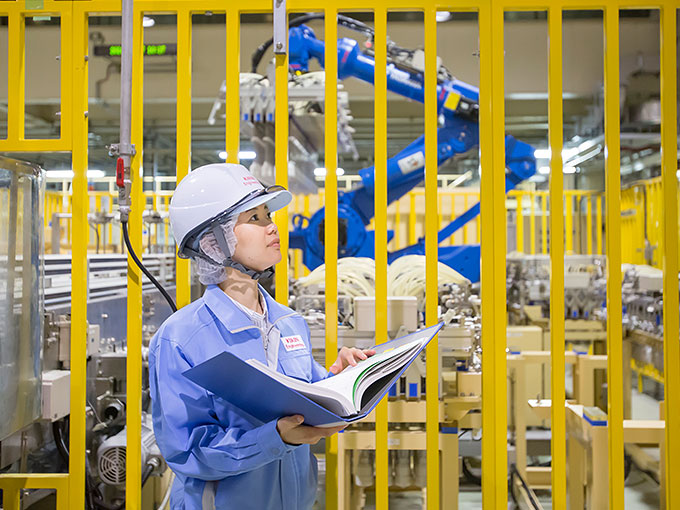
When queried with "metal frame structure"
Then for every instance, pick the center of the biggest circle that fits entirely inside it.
(73, 138)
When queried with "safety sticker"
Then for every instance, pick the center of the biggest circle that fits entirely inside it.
(249, 180)
(293, 343)
(411, 162)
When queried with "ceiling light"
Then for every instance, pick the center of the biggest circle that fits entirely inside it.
(442, 16)
(537, 178)
(638, 165)
(242, 155)
(544, 170)
(246, 155)
(321, 172)
(148, 22)
(569, 169)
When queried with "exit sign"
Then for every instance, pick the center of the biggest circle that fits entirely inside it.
(151, 50)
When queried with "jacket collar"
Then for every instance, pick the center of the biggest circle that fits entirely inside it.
(233, 318)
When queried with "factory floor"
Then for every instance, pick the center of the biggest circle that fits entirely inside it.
(641, 492)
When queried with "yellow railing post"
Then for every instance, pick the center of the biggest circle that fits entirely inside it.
(133, 462)
(493, 230)
(78, 25)
(544, 223)
(613, 233)
(519, 221)
(431, 256)
(532, 226)
(281, 155)
(331, 227)
(569, 222)
(183, 143)
(599, 224)
(380, 157)
(557, 357)
(589, 224)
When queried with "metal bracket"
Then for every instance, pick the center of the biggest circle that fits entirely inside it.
(280, 27)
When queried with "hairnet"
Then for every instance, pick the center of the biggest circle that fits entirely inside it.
(209, 273)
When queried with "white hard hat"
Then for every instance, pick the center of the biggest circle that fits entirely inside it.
(211, 194)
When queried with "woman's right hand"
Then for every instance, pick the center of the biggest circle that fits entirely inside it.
(292, 431)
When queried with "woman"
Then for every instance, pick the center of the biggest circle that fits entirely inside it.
(223, 457)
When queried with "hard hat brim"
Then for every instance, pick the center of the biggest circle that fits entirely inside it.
(275, 200)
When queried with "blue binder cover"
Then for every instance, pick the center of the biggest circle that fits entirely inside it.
(267, 399)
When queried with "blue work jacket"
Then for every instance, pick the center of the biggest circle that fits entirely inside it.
(224, 458)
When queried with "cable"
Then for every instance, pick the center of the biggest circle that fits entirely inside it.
(144, 269)
(345, 21)
(166, 497)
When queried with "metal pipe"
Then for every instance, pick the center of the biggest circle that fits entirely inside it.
(126, 150)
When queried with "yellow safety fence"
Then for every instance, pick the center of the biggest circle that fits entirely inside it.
(73, 138)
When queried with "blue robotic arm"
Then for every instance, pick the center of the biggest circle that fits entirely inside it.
(457, 103)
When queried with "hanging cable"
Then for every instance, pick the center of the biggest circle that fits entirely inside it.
(148, 274)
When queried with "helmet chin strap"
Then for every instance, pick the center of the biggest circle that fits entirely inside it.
(228, 262)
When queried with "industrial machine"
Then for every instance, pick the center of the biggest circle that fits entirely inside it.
(457, 108)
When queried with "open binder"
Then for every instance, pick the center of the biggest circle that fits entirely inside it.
(344, 398)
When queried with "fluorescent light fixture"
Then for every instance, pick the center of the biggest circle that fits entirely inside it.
(544, 170)
(246, 155)
(638, 165)
(569, 169)
(546, 153)
(148, 22)
(242, 155)
(68, 174)
(537, 178)
(442, 16)
(321, 172)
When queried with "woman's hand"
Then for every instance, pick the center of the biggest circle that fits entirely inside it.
(349, 356)
(293, 432)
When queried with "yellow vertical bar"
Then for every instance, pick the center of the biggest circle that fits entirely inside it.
(557, 412)
(233, 67)
(544, 224)
(109, 225)
(166, 233)
(305, 212)
(66, 118)
(412, 214)
(494, 238)
(380, 156)
(532, 227)
(183, 143)
(465, 208)
(133, 458)
(98, 208)
(598, 222)
(16, 69)
(281, 160)
(669, 150)
(613, 239)
(589, 224)
(519, 222)
(569, 222)
(431, 257)
(331, 228)
(79, 33)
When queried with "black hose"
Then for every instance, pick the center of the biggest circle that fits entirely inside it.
(535, 504)
(144, 269)
(342, 20)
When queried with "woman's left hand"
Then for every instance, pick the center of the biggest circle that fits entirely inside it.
(349, 357)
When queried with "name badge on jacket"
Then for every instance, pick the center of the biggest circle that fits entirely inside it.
(293, 343)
